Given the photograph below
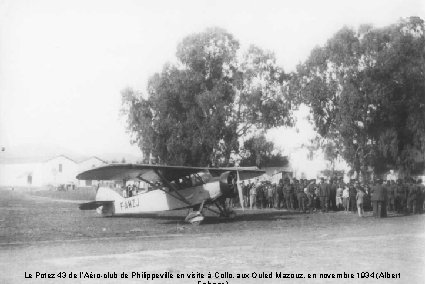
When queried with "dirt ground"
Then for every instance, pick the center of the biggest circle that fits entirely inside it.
(41, 235)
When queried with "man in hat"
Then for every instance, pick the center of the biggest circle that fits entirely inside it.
(332, 199)
(324, 195)
(378, 198)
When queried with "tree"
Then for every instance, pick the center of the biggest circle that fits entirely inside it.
(366, 91)
(331, 153)
(260, 152)
(197, 110)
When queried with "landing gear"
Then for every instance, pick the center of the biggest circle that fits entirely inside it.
(195, 217)
(225, 211)
(105, 210)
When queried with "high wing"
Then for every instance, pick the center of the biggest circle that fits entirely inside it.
(150, 172)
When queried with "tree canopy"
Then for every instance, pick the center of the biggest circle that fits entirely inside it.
(196, 110)
(366, 91)
(260, 152)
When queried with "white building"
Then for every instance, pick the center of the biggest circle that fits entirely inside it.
(88, 164)
(44, 172)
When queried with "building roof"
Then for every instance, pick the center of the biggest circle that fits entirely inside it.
(43, 159)
(66, 157)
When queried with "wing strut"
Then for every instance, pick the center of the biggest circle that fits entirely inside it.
(182, 198)
(171, 186)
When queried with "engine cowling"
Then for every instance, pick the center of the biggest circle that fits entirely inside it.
(226, 185)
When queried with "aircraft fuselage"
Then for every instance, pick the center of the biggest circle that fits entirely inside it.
(157, 200)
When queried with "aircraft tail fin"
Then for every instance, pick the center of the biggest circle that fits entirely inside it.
(105, 198)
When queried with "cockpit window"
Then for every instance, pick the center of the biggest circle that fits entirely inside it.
(205, 176)
(192, 180)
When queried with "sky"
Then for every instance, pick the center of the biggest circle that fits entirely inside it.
(64, 63)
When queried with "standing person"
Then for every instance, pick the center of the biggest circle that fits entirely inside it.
(313, 190)
(246, 194)
(412, 197)
(367, 197)
(374, 200)
(295, 188)
(352, 198)
(253, 192)
(288, 194)
(391, 193)
(360, 201)
(276, 196)
(400, 198)
(378, 198)
(259, 195)
(280, 194)
(124, 191)
(345, 196)
(339, 196)
(310, 197)
(301, 198)
(333, 189)
(270, 193)
(317, 198)
(231, 200)
(324, 194)
(420, 196)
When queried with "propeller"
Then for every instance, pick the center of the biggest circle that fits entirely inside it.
(240, 190)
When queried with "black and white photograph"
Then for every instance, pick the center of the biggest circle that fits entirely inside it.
(212, 142)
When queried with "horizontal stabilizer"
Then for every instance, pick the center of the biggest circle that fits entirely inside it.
(94, 205)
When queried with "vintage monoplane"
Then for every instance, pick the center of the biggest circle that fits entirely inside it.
(170, 188)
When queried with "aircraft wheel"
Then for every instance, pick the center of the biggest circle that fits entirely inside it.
(195, 223)
(99, 210)
(194, 218)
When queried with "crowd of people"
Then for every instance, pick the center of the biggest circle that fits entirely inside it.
(403, 196)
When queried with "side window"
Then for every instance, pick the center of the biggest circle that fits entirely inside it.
(88, 183)
(29, 179)
(60, 168)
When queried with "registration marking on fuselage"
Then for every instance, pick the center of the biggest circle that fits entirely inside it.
(130, 203)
